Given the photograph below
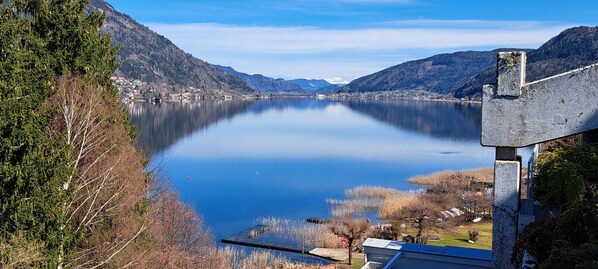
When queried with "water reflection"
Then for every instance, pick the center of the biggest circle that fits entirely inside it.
(285, 157)
(161, 126)
(460, 121)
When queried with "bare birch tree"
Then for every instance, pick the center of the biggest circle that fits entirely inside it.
(101, 184)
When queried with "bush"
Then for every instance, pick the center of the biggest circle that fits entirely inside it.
(567, 180)
(573, 256)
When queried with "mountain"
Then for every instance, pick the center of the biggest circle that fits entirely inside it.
(149, 57)
(329, 88)
(310, 85)
(573, 48)
(440, 73)
(262, 83)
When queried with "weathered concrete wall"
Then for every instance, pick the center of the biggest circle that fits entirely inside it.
(517, 114)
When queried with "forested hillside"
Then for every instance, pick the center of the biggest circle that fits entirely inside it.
(573, 48)
(440, 73)
(152, 58)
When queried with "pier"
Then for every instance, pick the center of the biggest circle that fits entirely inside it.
(247, 238)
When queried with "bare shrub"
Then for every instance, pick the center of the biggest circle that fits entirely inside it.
(20, 253)
(352, 230)
(386, 231)
(127, 219)
(419, 219)
(474, 236)
(179, 238)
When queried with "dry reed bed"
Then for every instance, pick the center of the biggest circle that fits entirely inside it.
(481, 175)
(393, 204)
(263, 259)
(302, 232)
(363, 199)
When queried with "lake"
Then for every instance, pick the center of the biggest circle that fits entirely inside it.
(237, 161)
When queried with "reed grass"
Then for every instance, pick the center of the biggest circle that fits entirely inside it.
(393, 204)
(370, 192)
(353, 208)
(262, 259)
(364, 199)
(302, 232)
(485, 175)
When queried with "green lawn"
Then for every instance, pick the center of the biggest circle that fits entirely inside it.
(461, 235)
(358, 263)
(457, 238)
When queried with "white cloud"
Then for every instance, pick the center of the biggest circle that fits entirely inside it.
(259, 49)
(338, 80)
(310, 40)
(469, 24)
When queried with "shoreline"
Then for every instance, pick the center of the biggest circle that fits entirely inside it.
(191, 98)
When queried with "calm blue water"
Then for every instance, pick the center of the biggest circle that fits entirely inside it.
(239, 161)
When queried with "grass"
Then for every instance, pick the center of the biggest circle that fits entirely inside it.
(460, 236)
(358, 262)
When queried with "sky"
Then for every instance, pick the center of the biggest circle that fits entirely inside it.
(341, 40)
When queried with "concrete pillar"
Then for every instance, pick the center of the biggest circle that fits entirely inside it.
(505, 218)
(510, 73)
(516, 113)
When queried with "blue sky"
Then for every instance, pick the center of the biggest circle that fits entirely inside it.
(341, 40)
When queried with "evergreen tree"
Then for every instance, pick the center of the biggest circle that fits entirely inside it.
(40, 40)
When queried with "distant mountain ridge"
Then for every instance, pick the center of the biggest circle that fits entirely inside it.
(262, 83)
(573, 48)
(310, 85)
(329, 88)
(463, 74)
(146, 56)
(439, 73)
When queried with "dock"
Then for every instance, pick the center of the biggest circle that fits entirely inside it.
(319, 221)
(247, 238)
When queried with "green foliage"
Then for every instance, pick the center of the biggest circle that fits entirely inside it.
(40, 40)
(568, 181)
(538, 239)
(567, 177)
(569, 256)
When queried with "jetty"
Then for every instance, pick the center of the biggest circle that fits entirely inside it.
(248, 238)
(319, 221)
